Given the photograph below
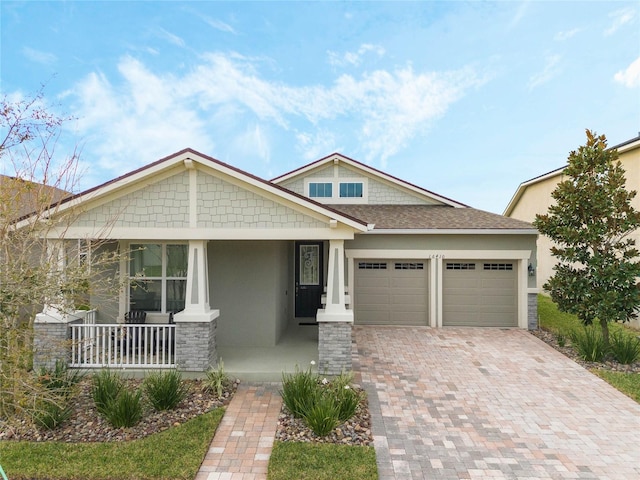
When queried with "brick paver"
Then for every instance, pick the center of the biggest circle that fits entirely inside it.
(242, 444)
(491, 404)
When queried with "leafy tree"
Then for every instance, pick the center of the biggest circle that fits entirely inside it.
(590, 224)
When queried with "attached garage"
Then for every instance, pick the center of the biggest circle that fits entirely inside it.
(391, 292)
(480, 293)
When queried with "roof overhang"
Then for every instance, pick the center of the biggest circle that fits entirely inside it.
(454, 231)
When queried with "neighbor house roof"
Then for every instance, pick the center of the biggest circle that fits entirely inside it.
(21, 197)
(621, 147)
(431, 217)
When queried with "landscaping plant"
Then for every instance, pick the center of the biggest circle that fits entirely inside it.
(106, 387)
(126, 409)
(323, 404)
(165, 390)
(625, 348)
(50, 414)
(589, 344)
(217, 380)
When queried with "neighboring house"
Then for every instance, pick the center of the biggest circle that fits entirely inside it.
(335, 242)
(534, 197)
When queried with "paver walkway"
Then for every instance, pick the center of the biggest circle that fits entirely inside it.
(242, 444)
(490, 403)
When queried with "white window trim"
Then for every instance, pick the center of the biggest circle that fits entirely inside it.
(163, 279)
(335, 190)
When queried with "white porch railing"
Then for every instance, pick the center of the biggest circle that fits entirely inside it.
(122, 345)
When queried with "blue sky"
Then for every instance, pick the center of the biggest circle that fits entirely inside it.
(467, 99)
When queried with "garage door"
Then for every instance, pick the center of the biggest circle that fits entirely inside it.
(480, 293)
(391, 292)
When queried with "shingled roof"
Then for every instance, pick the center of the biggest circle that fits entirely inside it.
(430, 217)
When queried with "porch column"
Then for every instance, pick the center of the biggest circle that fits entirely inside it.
(196, 324)
(51, 326)
(335, 321)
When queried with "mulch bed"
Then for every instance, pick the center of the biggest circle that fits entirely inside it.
(87, 425)
(610, 363)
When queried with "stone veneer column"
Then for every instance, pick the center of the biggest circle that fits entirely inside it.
(51, 340)
(196, 345)
(334, 347)
(532, 311)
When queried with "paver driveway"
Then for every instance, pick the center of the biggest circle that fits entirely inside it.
(490, 403)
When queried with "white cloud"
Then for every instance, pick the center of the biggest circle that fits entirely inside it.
(219, 25)
(354, 58)
(619, 18)
(631, 76)
(567, 34)
(550, 70)
(44, 58)
(146, 115)
(316, 144)
(172, 38)
(519, 15)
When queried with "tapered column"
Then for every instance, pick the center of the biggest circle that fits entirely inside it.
(196, 325)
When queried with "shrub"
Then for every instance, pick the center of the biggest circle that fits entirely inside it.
(300, 390)
(323, 415)
(347, 399)
(50, 413)
(217, 380)
(59, 379)
(589, 344)
(625, 348)
(106, 387)
(165, 390)
(125, 410)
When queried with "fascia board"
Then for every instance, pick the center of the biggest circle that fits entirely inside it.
(453, 231)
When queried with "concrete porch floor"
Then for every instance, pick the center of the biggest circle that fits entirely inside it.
(297, 346)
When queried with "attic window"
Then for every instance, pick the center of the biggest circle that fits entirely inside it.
(321, 190)
(351, 190)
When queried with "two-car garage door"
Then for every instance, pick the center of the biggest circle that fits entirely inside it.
(474, 292)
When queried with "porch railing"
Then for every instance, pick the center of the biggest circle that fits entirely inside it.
(122, 345)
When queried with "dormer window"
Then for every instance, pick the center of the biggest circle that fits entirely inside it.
(321, 190)
(336, 190)
(351, 190)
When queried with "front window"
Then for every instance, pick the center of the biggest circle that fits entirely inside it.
(351, 190)
(158, 277)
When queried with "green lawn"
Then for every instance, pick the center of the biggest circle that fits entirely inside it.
(556, 321)
(173, 454)
(309, 461)
(627, 383)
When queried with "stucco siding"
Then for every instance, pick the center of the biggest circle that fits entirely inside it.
(443, 243)
(225, 205)
(164, 204)
(249, 285)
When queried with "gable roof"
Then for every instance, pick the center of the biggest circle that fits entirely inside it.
(338, 157)
(187, 157)
(623, 147)
(433, 217)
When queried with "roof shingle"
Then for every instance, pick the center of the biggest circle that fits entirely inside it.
(431, 217)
